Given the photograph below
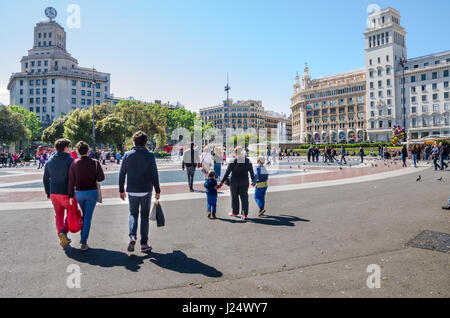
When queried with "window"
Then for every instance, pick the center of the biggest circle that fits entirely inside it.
(38, 109)
(434, 85)
(446, 84)
(371, 74)
(53, 90)
(83, 84)
(53, 109)
(424, 98)
(413, 99)
(413, 110)
(424, 88)
(388, 70)
(435, 107)
(446, 95)
(380, 84)
(97, 86)
(424, 109)
(44, 82)
(435, 96)
(446, 73)
(434, 75)
(53, 99)
(413, 79)
(379, 72)
(31, 82)
(74, 83)
(387, 56)
(388, 82)
(74, 100)
(53, 81)
(424, 77)
(31, 91)
(74, 91)
(21, 82)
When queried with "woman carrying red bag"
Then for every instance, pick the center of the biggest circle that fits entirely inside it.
(83, 177)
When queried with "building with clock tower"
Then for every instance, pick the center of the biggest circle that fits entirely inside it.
(51, 82)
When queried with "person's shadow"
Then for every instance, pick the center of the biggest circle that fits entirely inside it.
(282, 220)
(176, 261)
(179, 262)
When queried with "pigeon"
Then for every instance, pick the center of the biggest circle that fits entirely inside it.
(440, 179)
(419, 178)
(350, 165)
(340, 168)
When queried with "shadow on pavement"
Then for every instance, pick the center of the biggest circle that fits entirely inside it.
(105, 258)
(282, 220)
(179, 262)
(176, 261)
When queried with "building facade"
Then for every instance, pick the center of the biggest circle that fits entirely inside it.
(50, 82)
(236, 115)
(381, 102)
(330, 109)
(274, 120)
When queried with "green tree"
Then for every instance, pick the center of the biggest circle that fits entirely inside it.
(55, 131)
(148, 119)
(111, 130)
(12, 127)
(31, 121)
(180, 118)
(78, 126)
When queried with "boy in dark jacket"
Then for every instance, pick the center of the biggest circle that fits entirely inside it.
(211, 194)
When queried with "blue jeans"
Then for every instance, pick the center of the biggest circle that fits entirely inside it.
(140, 205)
(212, 203)
(414, 159)
(260, 197)
(87, 201)
(217, 169)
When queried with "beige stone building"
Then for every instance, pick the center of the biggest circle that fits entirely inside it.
(329, 109)
(236, 115)
(274, 120)
(51, 82)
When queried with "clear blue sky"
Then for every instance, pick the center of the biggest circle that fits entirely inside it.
(181, 50)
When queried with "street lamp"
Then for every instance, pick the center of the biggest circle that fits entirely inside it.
(403, 64)
(93, 111)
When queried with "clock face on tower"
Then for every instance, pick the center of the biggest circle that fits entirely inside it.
(51, 13)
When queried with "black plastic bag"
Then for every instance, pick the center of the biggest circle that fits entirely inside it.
(160, 219)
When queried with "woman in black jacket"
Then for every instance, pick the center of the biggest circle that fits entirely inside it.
(239, 169)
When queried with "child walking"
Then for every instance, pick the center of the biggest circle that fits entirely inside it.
(260, 182)
(211, 194)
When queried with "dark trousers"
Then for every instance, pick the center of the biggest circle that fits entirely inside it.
(190, 174)
(343, 159)
(140, 205)
(239, 191)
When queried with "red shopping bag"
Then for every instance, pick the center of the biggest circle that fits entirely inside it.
(74, 218)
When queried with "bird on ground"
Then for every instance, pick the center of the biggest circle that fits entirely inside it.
(440, 179)
(341, 168)
(419, 178)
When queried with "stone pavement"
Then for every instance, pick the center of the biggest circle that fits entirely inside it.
(316, 241)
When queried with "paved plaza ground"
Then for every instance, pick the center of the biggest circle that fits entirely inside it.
(325, 224)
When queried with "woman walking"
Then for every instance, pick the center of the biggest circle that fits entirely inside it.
(404, 155)
(239, 169)
(207, 161)
(415, 151)
(361, 154)
(217, 156)
(84, 174)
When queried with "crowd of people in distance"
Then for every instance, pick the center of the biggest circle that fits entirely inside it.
(12, 160)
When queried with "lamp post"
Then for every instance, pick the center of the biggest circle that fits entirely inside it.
(403, 64)
(93, 111)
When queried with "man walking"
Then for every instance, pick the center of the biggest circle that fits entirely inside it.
(443, 153)
(56, 181)
(139, 166)
(191, 160)
(343, 155)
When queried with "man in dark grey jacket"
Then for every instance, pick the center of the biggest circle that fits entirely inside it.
(139, 166)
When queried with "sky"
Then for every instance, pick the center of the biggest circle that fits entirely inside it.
(182, 50)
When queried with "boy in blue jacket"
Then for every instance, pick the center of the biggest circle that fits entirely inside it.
(260, 182)
(211, 194)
